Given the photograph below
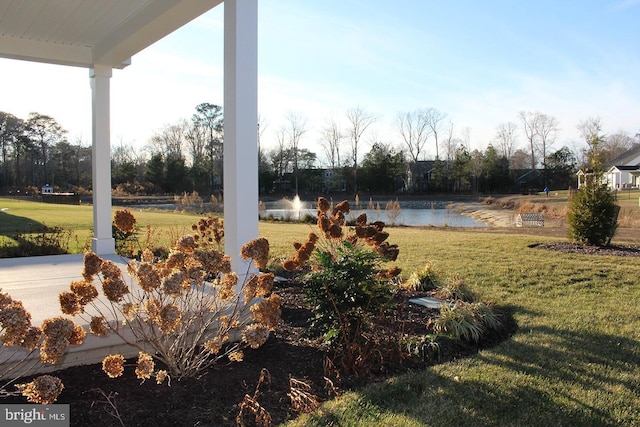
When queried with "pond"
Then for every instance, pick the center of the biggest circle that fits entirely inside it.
(410, 213)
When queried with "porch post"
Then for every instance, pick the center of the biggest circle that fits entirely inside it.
(240, 127)
(102, 242)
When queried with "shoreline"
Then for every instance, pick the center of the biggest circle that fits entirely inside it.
(492, 216)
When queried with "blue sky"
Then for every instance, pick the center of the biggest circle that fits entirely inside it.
(480, 62)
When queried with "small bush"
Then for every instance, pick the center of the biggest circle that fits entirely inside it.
(468, 321)
(426, 279)
(455, 289)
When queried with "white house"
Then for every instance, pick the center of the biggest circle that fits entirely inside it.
(623, 171)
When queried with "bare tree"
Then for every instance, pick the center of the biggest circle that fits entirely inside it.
(331, 141)
(529, 126)
(297, 127)
(546, 131)
(434, 120)
(415, 131)
(171, 139)
(506, 138)
(359, 120)
(616, 144)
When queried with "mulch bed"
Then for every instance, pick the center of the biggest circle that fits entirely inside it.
(214, 399)
(577, 248)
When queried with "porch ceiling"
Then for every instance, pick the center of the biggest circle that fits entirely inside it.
(85, 33)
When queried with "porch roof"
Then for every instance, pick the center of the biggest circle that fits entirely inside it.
(84, 33)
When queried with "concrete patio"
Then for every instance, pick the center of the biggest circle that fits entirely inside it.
(37, 282)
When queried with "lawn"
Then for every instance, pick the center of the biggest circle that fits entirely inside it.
(574, 361)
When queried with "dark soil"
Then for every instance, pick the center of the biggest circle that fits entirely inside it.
(215, 398)
(577, 248)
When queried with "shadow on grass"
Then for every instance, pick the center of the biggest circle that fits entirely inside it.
(562, 378)
(22, 237)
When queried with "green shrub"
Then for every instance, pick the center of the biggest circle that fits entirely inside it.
(592, 214)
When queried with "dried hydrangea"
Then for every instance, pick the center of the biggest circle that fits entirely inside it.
(114, 289)
(214, 261)
(44, 389)
(52, 350)
(255, 335)
(161, 375)
(77, 335)
(144, 366)
(257, 250)
(85, 291)
(214, 345)
(113, 365)
(148, 277)
(129, 310)
(147, 255)
(172, 285)
(69, 303)
(227, 286)
(92, 264)
(236, 356)
(176, 259)
(98, 326)
(170, 317)
(186, 244)
(124, 221)
(265, 284)
(110, 270)
(323, 204)
(268, 312)
(250, 288)
(31, 338)
(15, 321)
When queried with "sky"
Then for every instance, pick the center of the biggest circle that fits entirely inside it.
(480, 63)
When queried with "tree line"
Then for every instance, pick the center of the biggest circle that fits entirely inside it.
(187, 156)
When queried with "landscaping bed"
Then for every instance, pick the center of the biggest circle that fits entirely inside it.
(215, 398)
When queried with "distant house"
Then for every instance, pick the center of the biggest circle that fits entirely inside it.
(622, 173)
(47, 189)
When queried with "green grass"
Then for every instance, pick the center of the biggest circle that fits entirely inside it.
(574, 361)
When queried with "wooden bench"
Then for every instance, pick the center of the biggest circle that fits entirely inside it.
(530, 220)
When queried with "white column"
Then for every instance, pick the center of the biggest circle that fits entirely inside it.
(103, 242)
(240, 127)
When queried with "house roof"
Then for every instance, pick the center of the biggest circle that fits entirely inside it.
(630, 156)
(85, 33)
(625, 167)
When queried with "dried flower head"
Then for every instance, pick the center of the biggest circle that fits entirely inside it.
(214, 261)
(5, 300)
(124, 221)
(250, 288)
(265, 284)
(361, 220)
(214, 345)
(113, 365)
(255, 335)
(186, 244)
(92, 263)
(343, 207)
(147, 255)
(98, 326)
(110, 270)
(129, 310)
(172, 285)
(227, 286)
(161, 375)
(85, 291)
(323, 204)
(31, 338)
(69, 303)
(52, 350)
(257, 250)
(176, 259)
(268, 312)
(15, 321)
(144, 366)
(114, 289)
(291, 264)
(148, 277)
(44, 389)
(236, 356)
(152, 308)
(77, 335)
(170, 316)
